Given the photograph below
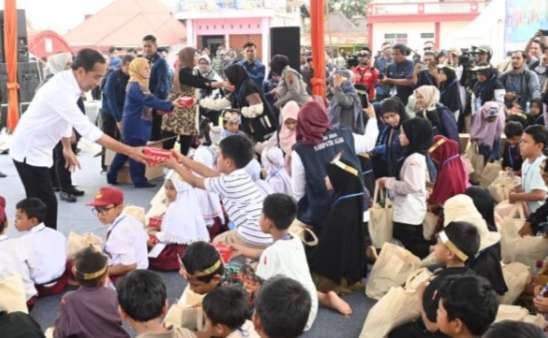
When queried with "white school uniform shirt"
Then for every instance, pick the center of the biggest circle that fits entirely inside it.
(126, 242)
(47, 253)
(13, 260)
(51, 115)
(362, 144)
(287, 257)
(532, 180)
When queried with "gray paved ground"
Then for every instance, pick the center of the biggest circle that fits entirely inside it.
(78, 217)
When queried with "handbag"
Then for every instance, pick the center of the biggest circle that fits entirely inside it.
(380, 220)
(509, 218)
(516, 277)
(391, 269)
(12, 294)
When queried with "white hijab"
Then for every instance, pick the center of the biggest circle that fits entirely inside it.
(58, 62)
(274, 162)
(183, 222)
(253, 169)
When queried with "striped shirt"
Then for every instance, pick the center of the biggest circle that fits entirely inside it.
(243, 202)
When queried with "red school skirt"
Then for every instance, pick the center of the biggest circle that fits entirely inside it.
(168, 259)
(56, 286)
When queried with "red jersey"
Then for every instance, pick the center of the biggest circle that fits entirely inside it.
(367, 76)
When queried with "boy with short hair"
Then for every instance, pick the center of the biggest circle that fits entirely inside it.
(13, 257)
(93, 307)
(143, 302)
(241, 197)
(532, 189)
(282, 308)
(468, 306)
(457, 243)
(511, 158)
(227, 309)
(126, 240)
(47, 254)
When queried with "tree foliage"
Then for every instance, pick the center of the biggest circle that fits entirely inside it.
(350, 8)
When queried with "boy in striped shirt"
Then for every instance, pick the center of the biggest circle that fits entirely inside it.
(241, 197)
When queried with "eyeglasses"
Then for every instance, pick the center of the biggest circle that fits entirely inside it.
(101, 210)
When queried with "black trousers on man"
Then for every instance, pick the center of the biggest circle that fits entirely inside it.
(37, 183)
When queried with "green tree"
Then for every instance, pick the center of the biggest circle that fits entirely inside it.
(349, 8)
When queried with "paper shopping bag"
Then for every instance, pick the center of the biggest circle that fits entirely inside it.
(392, 268)
(12, 294)
(489, 173)
(476, 159)
(380, 220)
(509, 218)
(504, 183)
(77, 243)
(516, 276)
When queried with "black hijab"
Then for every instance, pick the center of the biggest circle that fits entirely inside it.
(449, 90)
(236, 74)
(419, 134)
(340, 254)
(485, 204)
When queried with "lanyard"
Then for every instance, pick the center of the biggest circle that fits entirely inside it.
(114, 226)
(450, 159)
(344, 197)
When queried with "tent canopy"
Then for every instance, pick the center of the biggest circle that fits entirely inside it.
(123, 23)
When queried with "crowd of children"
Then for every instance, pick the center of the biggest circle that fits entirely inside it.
(256, 202)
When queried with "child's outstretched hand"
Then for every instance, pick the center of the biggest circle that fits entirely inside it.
(171, 162)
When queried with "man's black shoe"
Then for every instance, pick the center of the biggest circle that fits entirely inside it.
(67, 197)
(76, 192)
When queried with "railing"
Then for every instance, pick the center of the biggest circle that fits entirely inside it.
(219, 5)
(425, 8)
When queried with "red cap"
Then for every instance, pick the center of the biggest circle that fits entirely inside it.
(107, 196)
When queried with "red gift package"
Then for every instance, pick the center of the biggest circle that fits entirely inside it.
(157, 155)
(155, 223)
(186, 101)
(225, 252)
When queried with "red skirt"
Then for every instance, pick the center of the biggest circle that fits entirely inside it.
(168, 260)
(59, 284)
(31, 302)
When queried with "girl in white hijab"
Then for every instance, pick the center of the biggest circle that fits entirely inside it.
(58, 62)
(276, 173)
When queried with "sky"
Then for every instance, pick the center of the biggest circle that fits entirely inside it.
(60, 15)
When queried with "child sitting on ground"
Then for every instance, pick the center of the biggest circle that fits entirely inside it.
(231, 124)
(241, 197)
(93, 308)
(467, 306)
(282, 308)
(12, 260)
(456, 244)
(182, 224)
(143, 302)
(126, 240)
(532, 189)
(47, 256)
(227, 310)
(511, 158)
(286, 256)
(202, 269)
(536, 111)
(276, 173)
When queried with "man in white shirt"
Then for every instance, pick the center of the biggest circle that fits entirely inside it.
(126, 241)
(46, 247)
(50, 117)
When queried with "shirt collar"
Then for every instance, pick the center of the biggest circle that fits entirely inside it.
(38, 228)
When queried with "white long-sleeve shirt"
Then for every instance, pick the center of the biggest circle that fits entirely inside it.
(14, 260)
(51, 116)
(362, 144)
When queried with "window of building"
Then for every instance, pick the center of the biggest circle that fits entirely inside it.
(394, 38)
(427, 35)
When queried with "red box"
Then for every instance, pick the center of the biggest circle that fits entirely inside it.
(186, 101)
(157, 155)
(225, 252)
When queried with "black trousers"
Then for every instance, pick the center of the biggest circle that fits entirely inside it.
(156, 132)
(37, 183)
(184, 140)
(109, 127)
(60, 176)
(412, 239)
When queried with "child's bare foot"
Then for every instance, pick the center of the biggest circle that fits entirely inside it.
(339, 304)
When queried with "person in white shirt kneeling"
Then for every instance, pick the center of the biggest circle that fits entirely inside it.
(126, 239)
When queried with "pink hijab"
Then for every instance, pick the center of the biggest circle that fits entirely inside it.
(488, 123)
(288, 137)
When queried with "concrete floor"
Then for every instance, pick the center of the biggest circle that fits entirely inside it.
(79, 218)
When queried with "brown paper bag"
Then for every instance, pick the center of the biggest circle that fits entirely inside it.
(77, 243)
(394, 265)
(489, 173)
(380, 220)
(12, 294)
(509, 218)
(516, 277)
